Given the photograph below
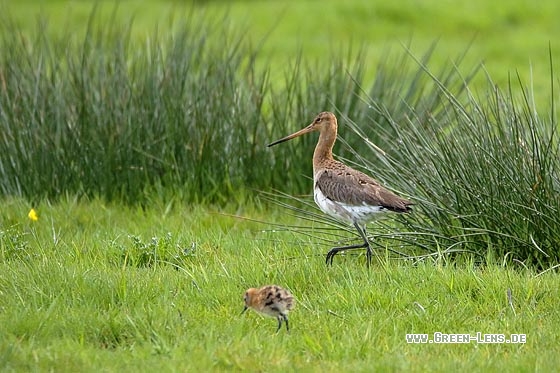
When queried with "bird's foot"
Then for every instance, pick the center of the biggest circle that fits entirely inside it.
(330, 255)
(336, 250)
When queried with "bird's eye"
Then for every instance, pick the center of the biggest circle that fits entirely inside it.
(317, 120)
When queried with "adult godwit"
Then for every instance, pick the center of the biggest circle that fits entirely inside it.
(340, 191)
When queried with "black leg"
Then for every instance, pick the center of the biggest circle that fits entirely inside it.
(365, 244)
(279, 323)
(281, 318)
(362, 231)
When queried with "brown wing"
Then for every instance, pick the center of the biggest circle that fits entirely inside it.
(346, 185)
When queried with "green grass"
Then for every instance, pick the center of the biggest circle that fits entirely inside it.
(71, 301)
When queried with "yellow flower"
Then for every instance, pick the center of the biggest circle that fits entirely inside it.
(33, 215)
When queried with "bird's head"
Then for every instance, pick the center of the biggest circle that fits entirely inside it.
(248, 298)
(325, 121)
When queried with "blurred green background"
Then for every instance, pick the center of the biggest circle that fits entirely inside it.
(508, 36)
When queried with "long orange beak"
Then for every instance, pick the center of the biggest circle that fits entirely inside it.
(307, 129)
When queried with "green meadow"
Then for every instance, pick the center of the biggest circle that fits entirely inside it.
(138, 199)
(91, 287)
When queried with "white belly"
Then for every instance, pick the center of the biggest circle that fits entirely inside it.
(360, 214)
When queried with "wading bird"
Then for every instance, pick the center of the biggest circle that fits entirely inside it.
(270, 300)
(340, 191)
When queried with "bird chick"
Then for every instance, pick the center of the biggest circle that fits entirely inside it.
(270, 300)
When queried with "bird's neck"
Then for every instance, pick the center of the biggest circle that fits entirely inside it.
(323, 150)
